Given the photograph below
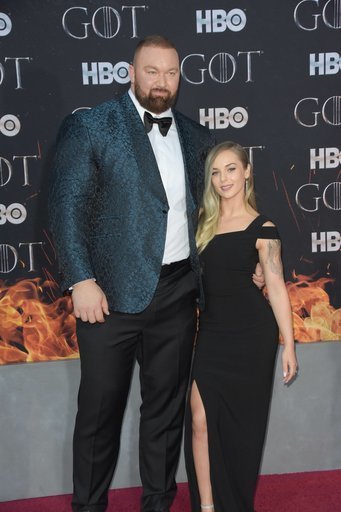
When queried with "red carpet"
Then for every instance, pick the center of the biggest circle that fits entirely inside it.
(318, 491)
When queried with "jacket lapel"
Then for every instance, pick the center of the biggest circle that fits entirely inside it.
(140, 149)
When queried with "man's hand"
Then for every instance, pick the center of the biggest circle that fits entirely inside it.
(89, 302)
(258, 277)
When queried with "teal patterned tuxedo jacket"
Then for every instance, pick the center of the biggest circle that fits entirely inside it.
(107, 205)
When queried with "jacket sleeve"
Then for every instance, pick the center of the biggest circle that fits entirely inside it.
(72, 187)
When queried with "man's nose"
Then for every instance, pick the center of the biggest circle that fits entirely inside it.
(161, 80)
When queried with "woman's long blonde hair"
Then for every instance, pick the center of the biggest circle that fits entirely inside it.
(209, 214)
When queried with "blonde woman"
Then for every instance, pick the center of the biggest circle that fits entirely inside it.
(237, 340)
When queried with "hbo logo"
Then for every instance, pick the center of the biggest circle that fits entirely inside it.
(326, 241)
(324, 63)
(218, 20)
(5, 24)
(325, 158)
(220, 118)
(15, 213)
(104, 73)
(9, 125)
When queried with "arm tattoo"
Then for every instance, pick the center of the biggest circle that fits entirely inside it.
(274, 256)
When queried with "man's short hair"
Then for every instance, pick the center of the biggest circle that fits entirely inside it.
(156, 41)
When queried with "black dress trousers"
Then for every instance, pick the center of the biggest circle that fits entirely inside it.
(161, 338)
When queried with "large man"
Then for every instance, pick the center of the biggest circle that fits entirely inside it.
(123, 208)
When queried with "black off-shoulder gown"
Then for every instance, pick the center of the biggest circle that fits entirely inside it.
(233, 368)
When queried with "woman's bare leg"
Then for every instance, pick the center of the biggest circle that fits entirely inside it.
(200, 450)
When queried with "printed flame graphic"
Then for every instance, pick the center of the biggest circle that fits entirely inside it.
(315, 319)
(31, 329)
(35, 329)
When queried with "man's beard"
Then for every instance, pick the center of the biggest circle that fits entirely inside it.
(155, 104)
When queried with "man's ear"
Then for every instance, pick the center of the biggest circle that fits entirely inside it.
(131, 71)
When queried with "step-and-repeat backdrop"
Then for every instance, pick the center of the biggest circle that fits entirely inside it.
(265, 74)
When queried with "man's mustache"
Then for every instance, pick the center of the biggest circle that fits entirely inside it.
(159, 89)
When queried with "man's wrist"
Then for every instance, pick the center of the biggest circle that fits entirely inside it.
(71, 288)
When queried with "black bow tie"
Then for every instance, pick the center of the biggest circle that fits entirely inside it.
(163, 122)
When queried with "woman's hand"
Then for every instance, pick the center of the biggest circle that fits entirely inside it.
(258, 276)
(289, 364)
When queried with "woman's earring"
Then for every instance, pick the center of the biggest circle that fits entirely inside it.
(246, 184)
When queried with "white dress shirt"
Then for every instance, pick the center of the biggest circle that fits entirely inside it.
(168, 154)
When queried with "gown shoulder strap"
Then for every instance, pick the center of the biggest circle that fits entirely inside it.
(267, 232)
